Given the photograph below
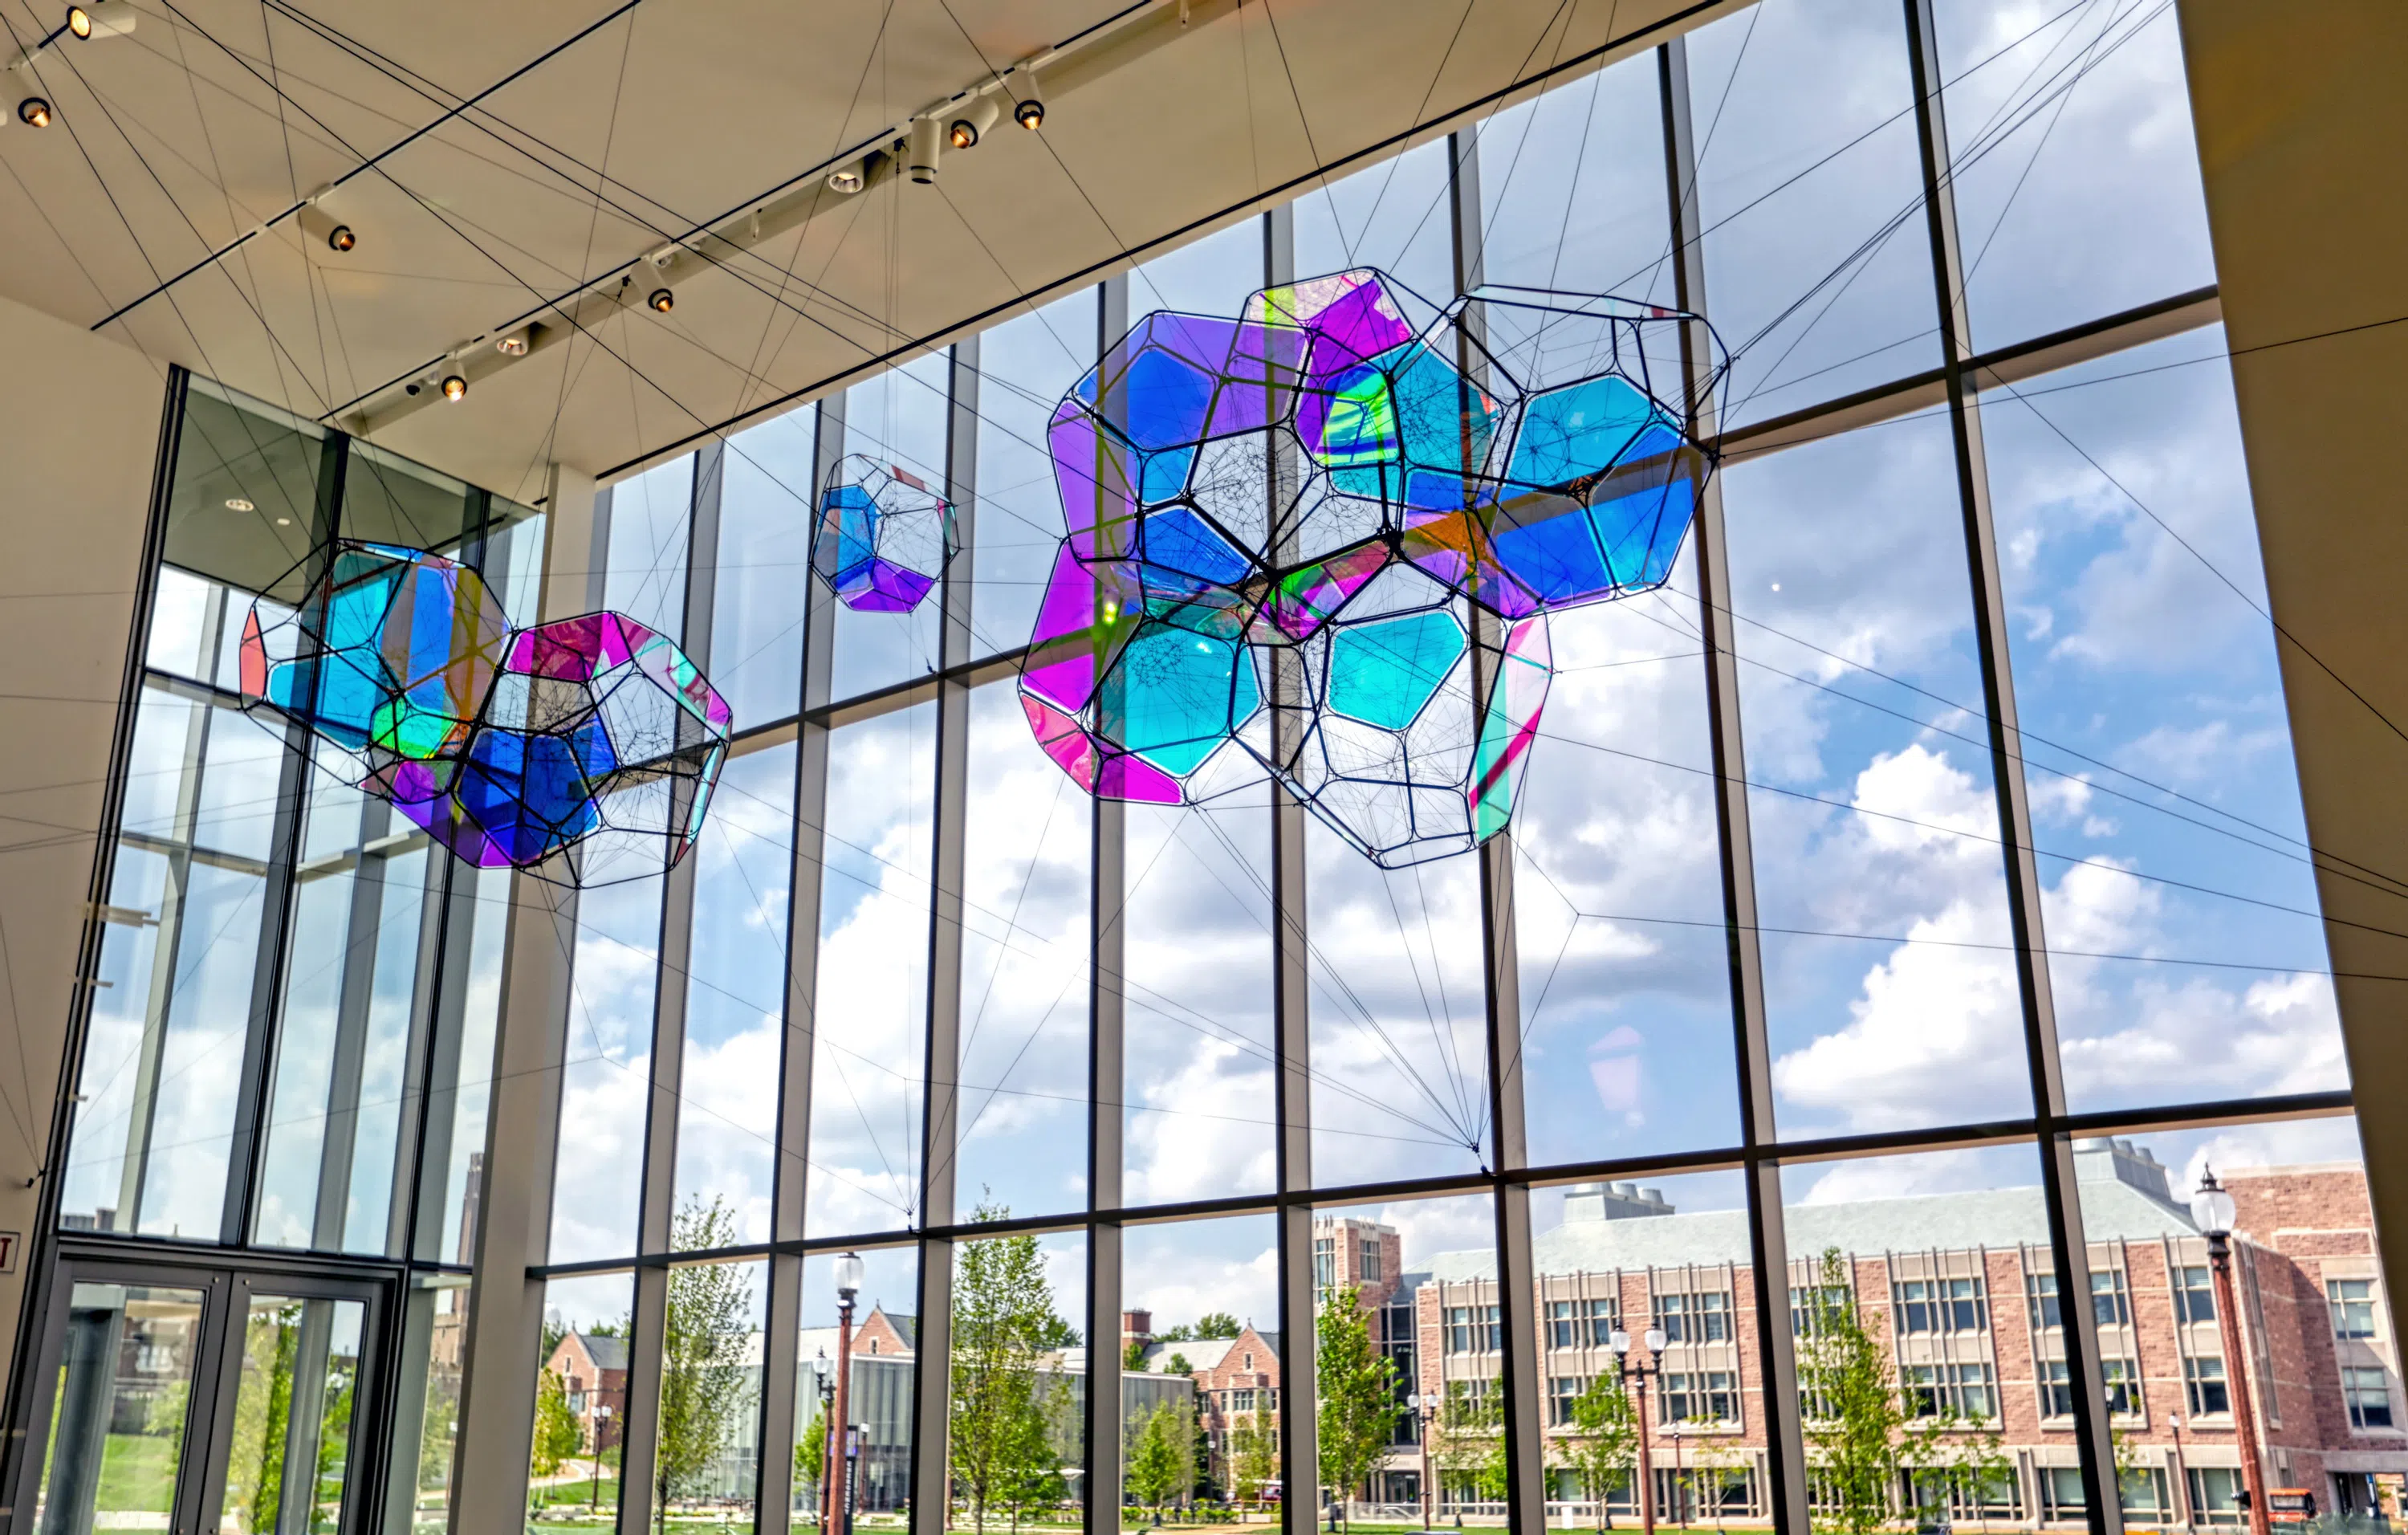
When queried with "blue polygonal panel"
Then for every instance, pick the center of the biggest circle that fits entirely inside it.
(1381, 672)
(1180, 695)
(1583, 429)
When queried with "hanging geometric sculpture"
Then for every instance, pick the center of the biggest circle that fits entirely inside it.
(1321, 541)
(506, 746)
(885, 537)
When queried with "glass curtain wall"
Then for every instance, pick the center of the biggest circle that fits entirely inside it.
(1942, 754)
(1911, 910)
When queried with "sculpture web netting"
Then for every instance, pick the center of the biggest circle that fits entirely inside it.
(508, 746)
(1321, 541)
(883, 537)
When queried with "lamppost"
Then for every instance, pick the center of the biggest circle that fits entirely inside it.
(2212, 1210)
(848, 1286)
(1425, 1408)
(827, 1442)
(1654, 1339)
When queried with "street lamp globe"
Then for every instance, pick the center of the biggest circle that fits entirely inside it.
(1655, 1339)
(2211, 1208)
(1619, 1343)
(848, 1276)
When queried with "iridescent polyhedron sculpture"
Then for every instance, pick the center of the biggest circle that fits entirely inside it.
(1379, 498)
(508, 747)
(883, 539)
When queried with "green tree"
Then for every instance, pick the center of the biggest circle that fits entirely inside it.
(1216, 1324)
(1002, 1440)
(1133, 1355)
(1469, 1447)
(1161, 1464)
(811, 1452)
(1358, 1384)
(1177, 1365)
(558, 1435)
(1604, 1442)
(1253, 1456)
(702, 1355)
(1853, 1414)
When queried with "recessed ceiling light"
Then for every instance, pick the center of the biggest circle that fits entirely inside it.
(34, 110)
(236, 503)
(285, 522)
(663, 300)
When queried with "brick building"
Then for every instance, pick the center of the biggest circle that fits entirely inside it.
(592, 1369)
(1962, 1288)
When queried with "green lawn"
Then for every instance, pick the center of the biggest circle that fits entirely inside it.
(137, 1473)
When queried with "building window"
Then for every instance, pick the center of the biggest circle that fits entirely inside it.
(2060, 1491)
(1702, 1316)
(2040, 1293)
(2194, 1294)
(1564, 1330)
(1562, 1391)
(2369, 1396)
(2204, 1384)
(2122, 1379)
(2056, 1391)
(1709, 1396)
(1809, 1302)
(2213, 1494)
(1939, 1305)
(1572, 1323)
(1604, 1317)
(1324, 1262)
(1966, 1390)
(1473, 1330)
(2353, 1307)
(2110, 1306)
(2143, 1490)
(1370, 1269)
(1241, 1399)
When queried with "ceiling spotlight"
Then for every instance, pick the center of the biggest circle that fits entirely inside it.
(454, 386)
(848, 180)
(663, 300)
(238, 503)
(1028, 100)
(512, 345)
(105, 19)
(975, 120)
(35, 110)
(323, 228)
(928, 134)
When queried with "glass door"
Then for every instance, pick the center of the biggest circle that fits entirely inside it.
(202, 1402)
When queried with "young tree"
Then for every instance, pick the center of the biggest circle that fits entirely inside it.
(811, 1452)
(1469, 1449)
(702, 1356)
(1133, 1355)
(1852, 1414)
(1161, 1462)
(1216, 1324)
(1177, 1365)
(1253, 1456)
(1002, 1442)
(1604, 1443)
(1359, 1393)
(558, 1435)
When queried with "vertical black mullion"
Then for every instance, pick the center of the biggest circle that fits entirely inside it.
(1768, 1225)
(276, 895)
(2060, 1187)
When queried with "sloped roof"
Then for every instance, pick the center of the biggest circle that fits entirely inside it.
(607, 1353)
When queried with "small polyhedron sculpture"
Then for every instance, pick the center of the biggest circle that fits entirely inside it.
(883, 537)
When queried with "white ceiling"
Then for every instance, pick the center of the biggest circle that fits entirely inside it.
(1166, 119)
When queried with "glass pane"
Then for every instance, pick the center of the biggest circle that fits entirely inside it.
(1025, 926)
(1909, 1283)
(1572, 194)
(898, 420)
(707, 1455)
(241, 516)
(1212, 275)
(390, 500)
(1810, 190)
(581, 1403)
(1197, 1052)
(119, 1406)
(460, 1088)
(288, 1457)
(1200, 1376)
(765, 565)
(1393, 216)
(1026, 365)
(2076, 170)
(2188, 958)
(867, 1076)
(1624, 962)
(1670, 1258)
(1408, 1346)
(882, 1334)
(1020, 1382)
(431, 1386)
(1889, 979)
(606, 1074)
(1399, 1018)
(735, 994)
(650, 519)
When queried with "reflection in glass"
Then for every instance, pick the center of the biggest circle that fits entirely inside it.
(1026, 365)
(288, 1456)
(1889, 979)
(2156, 747)
(735, 993)
(869, 1042)
(120, 1405)
(1022, 1133)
